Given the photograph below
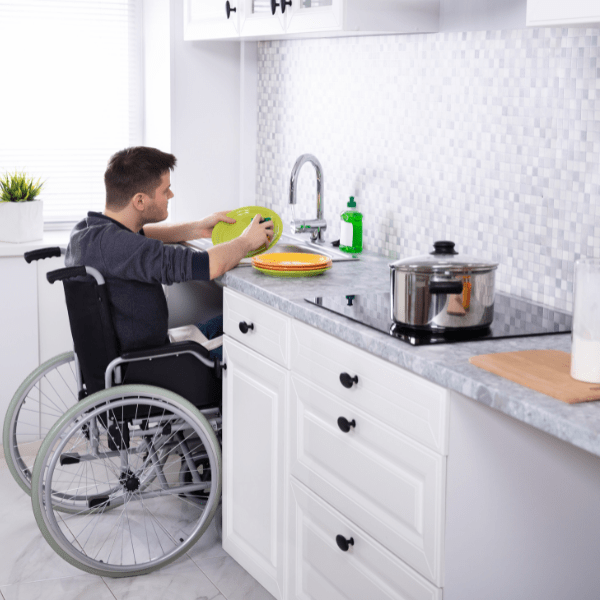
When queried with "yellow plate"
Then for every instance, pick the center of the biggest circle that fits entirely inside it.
(292, 260)
(225, 232)
(303, 273)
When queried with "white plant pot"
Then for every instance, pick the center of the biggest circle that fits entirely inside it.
(21, 221)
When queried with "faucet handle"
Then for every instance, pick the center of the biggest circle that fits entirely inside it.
(312, 226)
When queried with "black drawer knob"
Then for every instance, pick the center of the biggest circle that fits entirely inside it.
(348, 381)
(228, 9)
(244, 327)
(346, 425)
(285, 3)
(343, 543)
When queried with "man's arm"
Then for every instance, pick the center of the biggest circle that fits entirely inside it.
(171, 233)
(223, 257)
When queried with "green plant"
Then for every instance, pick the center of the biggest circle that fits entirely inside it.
(18, 187)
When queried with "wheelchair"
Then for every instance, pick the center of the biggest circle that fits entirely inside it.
(121, 452)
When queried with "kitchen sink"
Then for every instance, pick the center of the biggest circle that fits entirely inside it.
(289, 243)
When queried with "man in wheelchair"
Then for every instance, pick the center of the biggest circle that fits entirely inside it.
(129, 245)
(127, 475)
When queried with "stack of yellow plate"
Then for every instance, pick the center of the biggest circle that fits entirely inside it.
(291, 264)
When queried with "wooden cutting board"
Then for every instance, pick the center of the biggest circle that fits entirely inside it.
(546, 371)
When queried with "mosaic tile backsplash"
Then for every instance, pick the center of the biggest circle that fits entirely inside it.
(489, 139)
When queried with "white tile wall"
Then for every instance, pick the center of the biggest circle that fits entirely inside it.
(490, 139)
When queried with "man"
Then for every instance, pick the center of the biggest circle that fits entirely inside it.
(128, 244)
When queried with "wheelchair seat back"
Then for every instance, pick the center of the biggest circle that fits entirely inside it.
(92, 330)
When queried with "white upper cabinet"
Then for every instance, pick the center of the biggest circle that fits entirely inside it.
(562, 12)
(263, 18)
(276, 19)
(211, 19)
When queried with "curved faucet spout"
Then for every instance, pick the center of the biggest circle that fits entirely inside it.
(319, 225)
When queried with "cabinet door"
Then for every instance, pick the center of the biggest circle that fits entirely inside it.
(557, 12)
(315, 15)
(19, 347)
(254, 395)
(258, 20)
(207, 19)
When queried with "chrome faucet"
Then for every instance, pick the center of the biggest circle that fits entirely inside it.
(314, 226)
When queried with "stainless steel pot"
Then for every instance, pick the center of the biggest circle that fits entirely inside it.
(443, 290)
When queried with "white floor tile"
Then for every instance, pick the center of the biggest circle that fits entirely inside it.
(68, 588)
(28, 557)
(182, 580)
(233, 581)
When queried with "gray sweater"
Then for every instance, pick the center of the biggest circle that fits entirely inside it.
(135, 268)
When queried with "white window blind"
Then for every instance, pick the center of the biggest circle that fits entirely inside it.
(71, 96)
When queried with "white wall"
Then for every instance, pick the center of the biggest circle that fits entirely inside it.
(205, 123)
(157, 74)
(479, 15)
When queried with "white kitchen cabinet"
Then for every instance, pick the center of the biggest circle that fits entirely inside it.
(34, 322)
(19, 341)
(255, 20)
(254, 393)
(562, 12)
(208, 19)
(285, 454)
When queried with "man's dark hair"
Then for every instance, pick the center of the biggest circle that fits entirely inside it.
(134, 170)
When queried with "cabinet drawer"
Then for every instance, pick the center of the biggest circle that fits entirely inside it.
(386, 483)
(270, 330)
(319, 570)
(407, 402)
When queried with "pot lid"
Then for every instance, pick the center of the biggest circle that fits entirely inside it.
(443, 258)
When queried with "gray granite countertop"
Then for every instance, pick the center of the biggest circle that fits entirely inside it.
(445, 364)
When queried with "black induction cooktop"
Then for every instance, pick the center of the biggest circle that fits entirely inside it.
(513, 317)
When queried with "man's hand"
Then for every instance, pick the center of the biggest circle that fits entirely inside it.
(258, 234)
(223, 257)
(205, 227)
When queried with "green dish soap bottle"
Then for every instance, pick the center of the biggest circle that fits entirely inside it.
(351, 235)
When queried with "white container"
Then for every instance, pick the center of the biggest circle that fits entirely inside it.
(585, 349)
(21, 221)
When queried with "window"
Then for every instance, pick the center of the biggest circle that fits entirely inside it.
(71, 96)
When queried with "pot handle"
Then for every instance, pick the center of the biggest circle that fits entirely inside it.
(446, 286)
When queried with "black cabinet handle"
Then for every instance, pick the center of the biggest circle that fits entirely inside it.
(245, 326)
(285, 3)
(348, 381)
(343, 543)
(274, 5)
(228, 9)
(346, 425)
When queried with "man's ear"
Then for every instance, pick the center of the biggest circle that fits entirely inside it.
(139, 202)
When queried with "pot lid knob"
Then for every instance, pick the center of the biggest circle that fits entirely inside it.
(443, 248)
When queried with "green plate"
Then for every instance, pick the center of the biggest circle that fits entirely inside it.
(225, 232)
(309, 273)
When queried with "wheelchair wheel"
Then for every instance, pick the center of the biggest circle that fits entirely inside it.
(124, 449)
(45, 395)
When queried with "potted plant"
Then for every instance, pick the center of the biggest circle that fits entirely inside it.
(21, 211)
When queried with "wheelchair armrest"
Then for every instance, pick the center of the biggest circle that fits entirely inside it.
(199, 352)
(166, 350)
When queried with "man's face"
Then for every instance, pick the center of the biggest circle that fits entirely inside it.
(158, 209)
